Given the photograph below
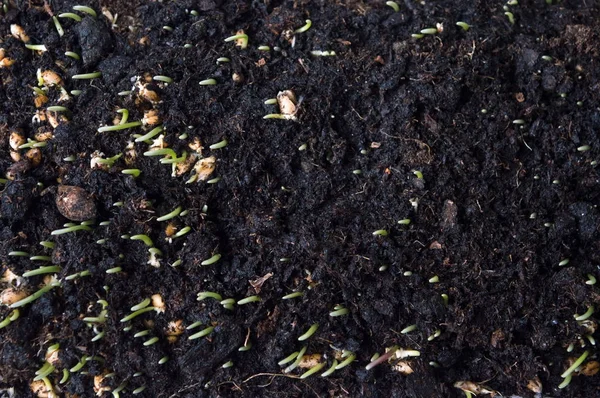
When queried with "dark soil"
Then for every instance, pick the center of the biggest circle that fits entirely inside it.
(499, 206)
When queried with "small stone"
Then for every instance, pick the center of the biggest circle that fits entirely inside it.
(75, 203)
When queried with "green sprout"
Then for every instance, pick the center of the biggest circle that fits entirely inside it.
(40, 258)
(18, 254)
(565, 382)
(350, 357)
(142, 333)
(98, 336)
(247, 300)
(177, 263)
(150, 342)
(264, 48)
(193, 325)
(167, 28)
(510, 16)
(295, 364)
(33, 144)
(120, 388)
(69, 229)
(339, 310)
(575, 365)
(408, 329)
(564, 262)
(288, 359)
(242, 36)
(330, 371)
(445, 298)
(109, 162)
(277, 116)
(143, 304)
(219, 145)
(434, 279)
(309, 332)
(58, 26)
(151, 134)
(133, 172)
(584, 148)
(435, 335)
(417, 35)
(357, 172)
(65, 376)
(13, 316)
(163, 360)
(312, 370)
(292, 295)
(71, 15)
(228, 303)
(138, 390)
(465, 26)
(44, 371)
(227, 364)
(182, 232)
(123, 93)
(381, 232)
(418, 174)
(223, 60)
(208, 82)
(211, 260)
(86, 9)
(87, 76)
(304, 28)
(114, 270)
(170, 215)
(271, 101)
(161, 152)
(518, 121)
(78, 275)
(161, 78)
(57, 109)
(36, 47)
(137, 313)
(42, 270)
(591, 280)
(393, 4)
(405, 221)
(125, 116)
(119, 127)
(429, 31)
(202, 333)
(246, 347)
(586, 315)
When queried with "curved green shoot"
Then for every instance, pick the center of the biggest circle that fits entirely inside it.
(42, 270)
(309, 332)
(312, 370)
(202, 333)
(86, 9)
(304, 28)
(170, 215)
(119, 127)
(211, 260)
(247, 300)
(35, 296)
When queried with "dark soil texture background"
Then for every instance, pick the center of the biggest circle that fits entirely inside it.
(485, 139)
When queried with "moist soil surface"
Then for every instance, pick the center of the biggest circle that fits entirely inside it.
(483, 140)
